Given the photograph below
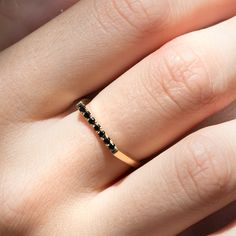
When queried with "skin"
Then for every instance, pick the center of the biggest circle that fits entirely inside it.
(56, 178)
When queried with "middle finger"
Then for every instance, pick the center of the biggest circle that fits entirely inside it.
(91, 43)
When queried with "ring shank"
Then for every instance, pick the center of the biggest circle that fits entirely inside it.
(121, 156)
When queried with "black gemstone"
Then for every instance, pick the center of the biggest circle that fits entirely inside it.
(82, 108)
(101, 134)
(91, 121)
(107, 140)
(87, 114)
(114, 151)
(111, 146)
(97, 127)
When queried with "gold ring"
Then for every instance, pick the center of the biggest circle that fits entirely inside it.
(81, 106)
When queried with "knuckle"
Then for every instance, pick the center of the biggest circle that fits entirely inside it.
(179, 75)
(143, 15)
(206, 174)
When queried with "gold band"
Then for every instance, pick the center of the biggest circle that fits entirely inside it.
(121, 156)
(81, 106)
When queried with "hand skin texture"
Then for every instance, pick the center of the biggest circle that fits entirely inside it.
(165, 76)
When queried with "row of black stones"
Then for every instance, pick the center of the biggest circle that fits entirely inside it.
(101, 133)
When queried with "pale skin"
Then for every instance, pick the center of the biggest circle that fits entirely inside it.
(161, 68)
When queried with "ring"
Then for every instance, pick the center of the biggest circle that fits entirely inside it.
(81, 107)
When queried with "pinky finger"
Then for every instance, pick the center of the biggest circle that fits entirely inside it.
(185, 184)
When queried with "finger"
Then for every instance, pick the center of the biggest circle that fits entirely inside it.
(17, 20)
(160, 98)
(79, 52)
(183, 185)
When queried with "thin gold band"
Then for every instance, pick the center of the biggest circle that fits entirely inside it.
(121, 156)
(81, 106)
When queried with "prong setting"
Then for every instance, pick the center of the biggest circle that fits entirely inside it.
(81, 107)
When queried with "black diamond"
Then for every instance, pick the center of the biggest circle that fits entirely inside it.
(97, 127)
(101, 134)
(111, 146)
(87, 114)
(114, 151)
(91, 121)
(82, 108)
(107, 140)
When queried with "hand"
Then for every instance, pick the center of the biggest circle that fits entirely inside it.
(54, 171)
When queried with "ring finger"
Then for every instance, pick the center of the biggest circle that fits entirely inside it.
(161, 98)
